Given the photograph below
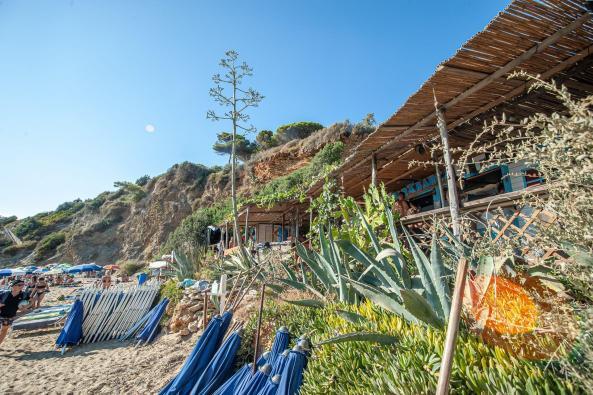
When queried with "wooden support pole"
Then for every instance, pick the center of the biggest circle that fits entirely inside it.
(453, 198)
(456, 304)
(246, 224)
(439, 181)
(452, 329)
(226, 235)
(310, 220)
(374, 170)
(261, 309)
(296, 230)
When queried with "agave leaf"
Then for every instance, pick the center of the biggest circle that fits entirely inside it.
(373, 337)
(302, 287)
(580, 255)
(400, 262)
(439, 277)
(340, 269)
(383, 299)
(420, 308)
(370, 231)
(289, 272)
(389, 252)
(425, 271)
(315, 266)
(362, 257)
(352, 317)
(276, 288)
(314, 303)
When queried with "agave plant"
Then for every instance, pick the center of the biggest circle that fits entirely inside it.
(186, 265)
(384, 277)
(330, 270)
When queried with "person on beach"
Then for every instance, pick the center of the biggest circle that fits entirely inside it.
(40, 289)
(106, 281)
(10, 304)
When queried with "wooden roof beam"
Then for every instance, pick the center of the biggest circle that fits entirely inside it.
(538, 48)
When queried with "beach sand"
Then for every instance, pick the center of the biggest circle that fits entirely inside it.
(29, 364)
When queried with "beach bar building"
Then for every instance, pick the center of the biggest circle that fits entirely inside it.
(552, 39)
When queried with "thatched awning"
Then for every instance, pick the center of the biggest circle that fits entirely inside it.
(552, 38)
(255, 214)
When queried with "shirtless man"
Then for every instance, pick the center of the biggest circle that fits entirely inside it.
(403, 207)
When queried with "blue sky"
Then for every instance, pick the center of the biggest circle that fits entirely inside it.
(80, 80)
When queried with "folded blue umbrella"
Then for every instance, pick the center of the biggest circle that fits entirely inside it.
(197, 360)
(292, 374)
(271, 386)
(72, 331)
(151, 327)
(226, 317)
(257, 381)
(219, 368)
(280, 344)
(236, 380)
(278, 366)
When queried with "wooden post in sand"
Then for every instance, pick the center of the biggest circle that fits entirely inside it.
(205, 314)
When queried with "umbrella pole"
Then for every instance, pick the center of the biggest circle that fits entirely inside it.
(261, 308)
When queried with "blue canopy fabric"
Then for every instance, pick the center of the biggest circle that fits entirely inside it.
(197, 360)
(271, 386)
(87, 267)
(30, 269)
(256, 382)
(72, 331)
(292, 374)
(12, 272)
(142, 277)
(150, 330)
(279, 363)
(280, 344)
(227, 317)
(219, 368)
(236, 381)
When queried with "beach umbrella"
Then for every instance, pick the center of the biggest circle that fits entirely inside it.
(271, 386)
(72, 331)
(42, 270)
(12, 272)
(236, 381)
(292, 374)
(197, 360)
(219, 368)
(88, 267)
(142, 277)
(279, 363)
(226, 317)
(111, 267)
(280, 344)
(64, 265)
(55, 270)
(256, 382)
(30, 269)
(151, 328)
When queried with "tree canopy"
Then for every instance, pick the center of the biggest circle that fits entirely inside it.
(224, 143)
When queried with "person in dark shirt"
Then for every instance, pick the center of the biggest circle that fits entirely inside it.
(9, 305)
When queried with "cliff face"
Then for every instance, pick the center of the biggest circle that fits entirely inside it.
(114, 227)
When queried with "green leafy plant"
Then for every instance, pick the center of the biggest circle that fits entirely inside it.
(131, 267)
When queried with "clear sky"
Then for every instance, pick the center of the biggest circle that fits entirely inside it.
(81, 80)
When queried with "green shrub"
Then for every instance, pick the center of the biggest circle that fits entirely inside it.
(130, 267)
(171, 290)
(133, 192)
(72, 206)
(143, 180)
(96, 203)
(14, 249)
(7, 220)
(296, 130)
(27, 227)
(407, 367)
(49, 243)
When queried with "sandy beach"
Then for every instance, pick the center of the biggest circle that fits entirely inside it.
(29, 363)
